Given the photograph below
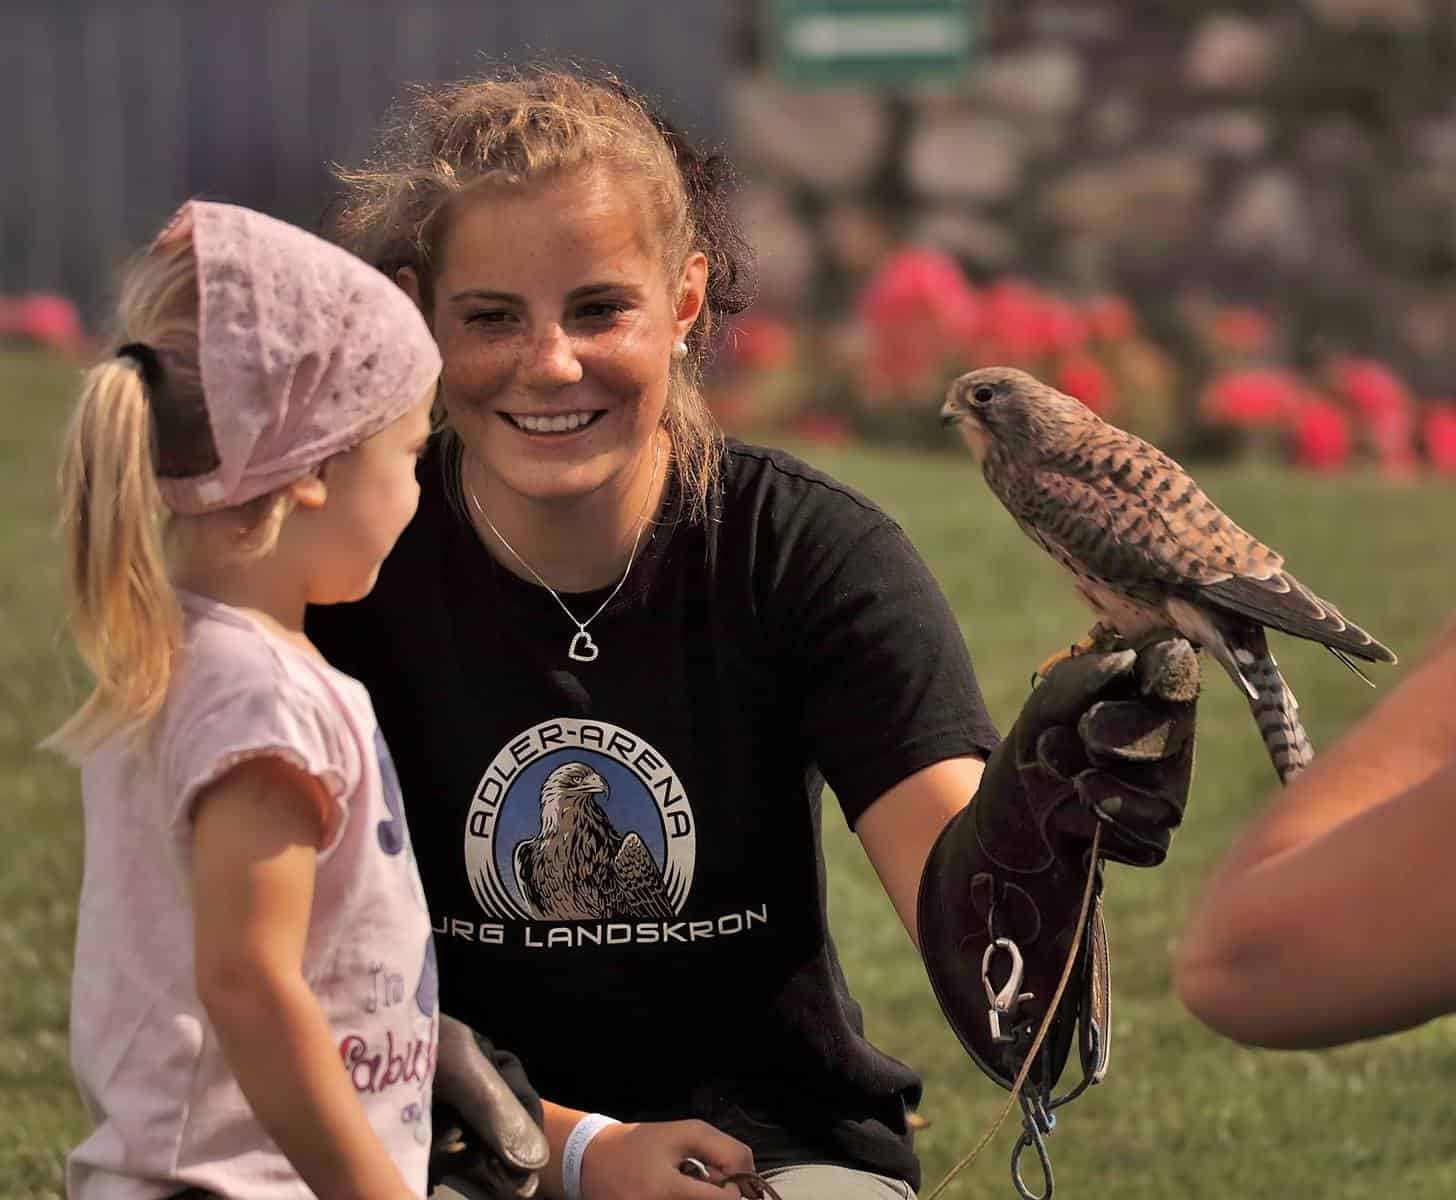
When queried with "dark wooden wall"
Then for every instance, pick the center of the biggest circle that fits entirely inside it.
(114, 111)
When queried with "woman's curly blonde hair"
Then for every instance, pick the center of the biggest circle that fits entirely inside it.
(522, 124)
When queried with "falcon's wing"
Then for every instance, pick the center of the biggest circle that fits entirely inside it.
(1283, 603)
(1140, 527)
(640, 889)
(1137, 519)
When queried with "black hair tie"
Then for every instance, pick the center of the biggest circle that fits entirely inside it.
(147, 360)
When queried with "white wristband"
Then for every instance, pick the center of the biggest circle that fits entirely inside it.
(575, 1150)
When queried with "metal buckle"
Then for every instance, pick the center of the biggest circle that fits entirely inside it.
(1009, 997)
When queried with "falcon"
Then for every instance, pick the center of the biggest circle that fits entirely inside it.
(1150, 552)
(578, 867)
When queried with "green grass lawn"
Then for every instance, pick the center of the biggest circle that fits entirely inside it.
(1182, 1114)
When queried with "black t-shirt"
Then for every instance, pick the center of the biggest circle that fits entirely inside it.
(623, 857)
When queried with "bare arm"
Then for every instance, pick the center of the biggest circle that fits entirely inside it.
(254, 848)
(898, 829)
(1332, 918)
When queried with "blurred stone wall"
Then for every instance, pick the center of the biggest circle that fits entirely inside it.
(1297, 156)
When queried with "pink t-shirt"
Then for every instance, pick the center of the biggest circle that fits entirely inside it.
(168, 1112)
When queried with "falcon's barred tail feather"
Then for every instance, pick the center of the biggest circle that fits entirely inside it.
(1275, 709)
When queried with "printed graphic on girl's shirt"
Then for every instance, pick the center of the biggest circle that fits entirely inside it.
(408, 1060)
(580, 820)
(393, 832)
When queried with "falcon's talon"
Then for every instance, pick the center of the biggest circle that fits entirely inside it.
(1088, 645)
(1102, 638)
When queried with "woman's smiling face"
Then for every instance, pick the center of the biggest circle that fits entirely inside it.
(556, 321)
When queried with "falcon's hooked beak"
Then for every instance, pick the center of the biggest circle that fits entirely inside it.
(957, 412)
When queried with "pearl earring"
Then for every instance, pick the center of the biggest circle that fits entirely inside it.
(679, 349)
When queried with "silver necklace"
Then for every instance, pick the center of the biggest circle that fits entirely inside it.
(582, 647)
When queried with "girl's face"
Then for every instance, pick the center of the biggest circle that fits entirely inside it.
(368, 495)
(556, 321)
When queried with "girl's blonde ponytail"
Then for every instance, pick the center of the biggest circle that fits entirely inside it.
(124, 613)
(123, 610)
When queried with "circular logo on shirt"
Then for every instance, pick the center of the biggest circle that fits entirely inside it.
(580, 820)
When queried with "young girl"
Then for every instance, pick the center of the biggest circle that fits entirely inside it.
(254, 1001)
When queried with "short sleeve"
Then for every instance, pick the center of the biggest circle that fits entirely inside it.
(889, 687)
(230, 722)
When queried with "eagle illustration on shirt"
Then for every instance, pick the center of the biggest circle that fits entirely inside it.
(578, 867)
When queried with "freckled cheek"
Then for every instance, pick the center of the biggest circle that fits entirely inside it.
(474, 373)
(627, 363)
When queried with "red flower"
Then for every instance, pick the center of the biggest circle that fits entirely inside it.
(1251, 397)
(1321, 434)
(918, 310)
(1013, 321)
(1372, 387)
(1083, 377)
(916, 283)
(1439, 434)
(1063, 328)
(1384, 402)
(759, 341)
(1241, 330)
(1110, 318)
(49, 320)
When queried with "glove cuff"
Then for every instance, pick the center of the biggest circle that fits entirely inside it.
(995, 941)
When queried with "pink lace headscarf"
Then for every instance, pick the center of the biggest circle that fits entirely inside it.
(306, 351)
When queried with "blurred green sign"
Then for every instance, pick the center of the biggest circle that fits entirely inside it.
(870, 41)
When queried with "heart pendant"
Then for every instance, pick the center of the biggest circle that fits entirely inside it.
(582, 648)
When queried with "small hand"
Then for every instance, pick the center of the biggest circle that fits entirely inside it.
(644, 1161)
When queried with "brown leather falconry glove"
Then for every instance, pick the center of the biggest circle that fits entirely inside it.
(488, 1144)
(1106, 739)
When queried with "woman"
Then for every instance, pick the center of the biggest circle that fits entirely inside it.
(1331, 918)
(618, 660)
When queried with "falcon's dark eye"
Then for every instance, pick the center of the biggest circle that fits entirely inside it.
(984, 394)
